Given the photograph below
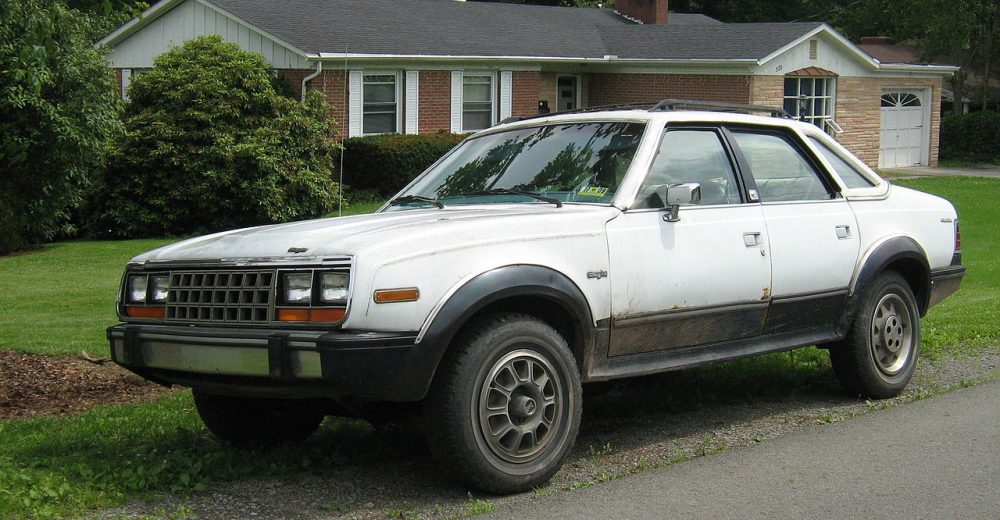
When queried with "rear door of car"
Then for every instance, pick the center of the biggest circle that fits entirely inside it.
(813, 233)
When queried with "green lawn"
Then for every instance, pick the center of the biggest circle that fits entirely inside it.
(56, 467)
(59, 300)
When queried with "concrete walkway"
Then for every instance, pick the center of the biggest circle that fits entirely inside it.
(986, 170)
(937, 458)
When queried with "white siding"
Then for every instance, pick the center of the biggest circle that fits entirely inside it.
(191, 19)
(412, 101)
(830, 55)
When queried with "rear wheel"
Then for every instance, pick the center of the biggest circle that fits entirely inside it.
(248, 422)
(505, 407)
(879, 355)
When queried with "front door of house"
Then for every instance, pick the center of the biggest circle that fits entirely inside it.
(567, 93)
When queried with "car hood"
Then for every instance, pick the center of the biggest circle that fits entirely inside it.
(412, 229)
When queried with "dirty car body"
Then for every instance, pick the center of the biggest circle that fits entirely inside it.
(539, 255)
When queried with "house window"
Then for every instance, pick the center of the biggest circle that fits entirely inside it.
(477, 102)
(811, 100)
(380, 111)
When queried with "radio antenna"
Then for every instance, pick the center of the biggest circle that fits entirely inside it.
(343, 137)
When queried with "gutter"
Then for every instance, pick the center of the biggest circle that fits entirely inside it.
(532, 59)
(319, 69)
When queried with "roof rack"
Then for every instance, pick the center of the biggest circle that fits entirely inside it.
(690, 104)
(663, 105)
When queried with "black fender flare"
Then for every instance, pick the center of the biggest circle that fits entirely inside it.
(487, 288)
(885, 254)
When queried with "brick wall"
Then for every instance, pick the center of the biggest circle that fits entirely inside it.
(333, 84)
(525, 92)
(435, 101)
(615, 89)
(293, 78)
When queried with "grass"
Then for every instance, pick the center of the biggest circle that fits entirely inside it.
(52, 467)
(57, 467)
(59, 299)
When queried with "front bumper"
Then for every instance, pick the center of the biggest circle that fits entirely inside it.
(270, 362)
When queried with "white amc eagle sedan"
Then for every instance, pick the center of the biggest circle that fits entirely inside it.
(539, 255)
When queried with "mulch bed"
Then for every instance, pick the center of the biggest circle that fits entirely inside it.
(33, 385)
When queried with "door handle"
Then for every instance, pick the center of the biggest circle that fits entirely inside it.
(752, 239)
(843, 232)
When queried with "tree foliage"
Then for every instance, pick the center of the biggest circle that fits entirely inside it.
(210, 144)
(59, 117)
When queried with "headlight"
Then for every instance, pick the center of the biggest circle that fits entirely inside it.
(137, 289)
(333, 287)
(159, 283)
(297, 288)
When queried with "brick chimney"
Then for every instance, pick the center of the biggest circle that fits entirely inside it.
(646, 11)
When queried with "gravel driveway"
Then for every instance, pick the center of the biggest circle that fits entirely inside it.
(628, 426)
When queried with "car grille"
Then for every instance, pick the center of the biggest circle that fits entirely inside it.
(223, 296)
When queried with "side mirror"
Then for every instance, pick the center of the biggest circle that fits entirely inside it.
(681, 195)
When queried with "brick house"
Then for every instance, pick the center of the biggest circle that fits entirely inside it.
(423, 66)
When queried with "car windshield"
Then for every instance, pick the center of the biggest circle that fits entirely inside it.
(581, 162)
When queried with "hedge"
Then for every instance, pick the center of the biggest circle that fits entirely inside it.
(971, 137)
(384, 164)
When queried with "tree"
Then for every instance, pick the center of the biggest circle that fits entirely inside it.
(59, 117)
(210, 144)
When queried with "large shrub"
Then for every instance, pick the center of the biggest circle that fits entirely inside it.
(385, 163)
(971, 137)
(59, 117)
(210, 144)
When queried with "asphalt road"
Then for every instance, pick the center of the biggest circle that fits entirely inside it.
(937, 458)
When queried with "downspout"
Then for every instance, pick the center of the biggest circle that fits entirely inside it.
(319, 69)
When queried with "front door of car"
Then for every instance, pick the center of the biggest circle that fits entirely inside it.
(699, 280)
(813, 232)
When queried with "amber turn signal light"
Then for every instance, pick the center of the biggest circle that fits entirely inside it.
(311, 314)
(410, 294)
(145, 312)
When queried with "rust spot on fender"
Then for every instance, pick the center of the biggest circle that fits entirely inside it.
(767, 294)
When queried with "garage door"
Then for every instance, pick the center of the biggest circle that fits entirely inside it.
(903, 139)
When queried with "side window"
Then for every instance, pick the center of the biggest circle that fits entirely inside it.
(779, 169)
(690, 155)
(849, 174)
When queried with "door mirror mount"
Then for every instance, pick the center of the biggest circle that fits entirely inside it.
(679, 195)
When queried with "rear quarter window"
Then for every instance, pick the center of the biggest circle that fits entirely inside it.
(851, 176)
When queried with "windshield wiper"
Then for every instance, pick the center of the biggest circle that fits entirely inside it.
(511, 191)
(416, 198)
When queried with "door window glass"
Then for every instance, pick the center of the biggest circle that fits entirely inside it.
(779, 169)
(691, 156)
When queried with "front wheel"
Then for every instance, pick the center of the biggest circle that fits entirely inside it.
(505, 406)
(879, 355)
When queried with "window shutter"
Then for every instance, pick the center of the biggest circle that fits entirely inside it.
(126, 80)
(412, 101)
(456, 101)
(355, 98)
(505, 94)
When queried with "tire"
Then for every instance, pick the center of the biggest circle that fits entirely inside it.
(877, 358)
(504, 408)
(247, 422)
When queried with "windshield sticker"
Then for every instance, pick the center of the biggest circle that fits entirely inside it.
(593, 191)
